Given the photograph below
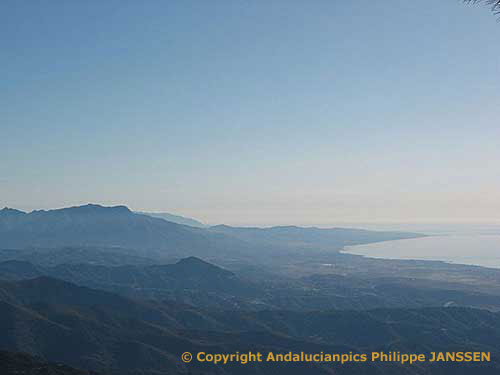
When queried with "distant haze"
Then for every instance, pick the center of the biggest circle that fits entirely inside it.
(253, 112)
(175, 218)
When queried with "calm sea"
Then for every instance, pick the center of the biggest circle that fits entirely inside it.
(474, 245)
(479, 250)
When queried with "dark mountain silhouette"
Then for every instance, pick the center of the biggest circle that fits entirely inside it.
(21, 363)
(189, 272)
(97, 226)
(97, 330)
(11, 212)
(195, 282)
(191, 281)
(10, 217)
(94, 225)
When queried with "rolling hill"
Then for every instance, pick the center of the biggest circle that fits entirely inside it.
(96, 330)
(198, 283)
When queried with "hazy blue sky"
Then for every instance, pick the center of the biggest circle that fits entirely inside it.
(253, 112)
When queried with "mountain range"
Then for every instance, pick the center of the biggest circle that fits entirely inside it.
(94, 225)
(101, 331)
(198, 283)
(107, 290)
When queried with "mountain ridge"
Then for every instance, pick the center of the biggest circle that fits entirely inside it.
(175, 218)
(100, 331)
(117, 226)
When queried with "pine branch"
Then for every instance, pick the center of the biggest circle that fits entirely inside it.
(495, 4)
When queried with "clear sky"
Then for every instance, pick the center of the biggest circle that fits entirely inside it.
(253, 112)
